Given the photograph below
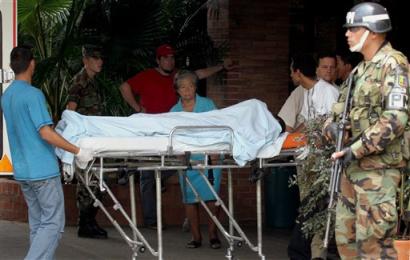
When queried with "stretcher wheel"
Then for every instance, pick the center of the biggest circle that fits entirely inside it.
(239, 244)
(142, 249)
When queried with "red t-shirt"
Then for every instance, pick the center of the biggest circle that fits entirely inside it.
(156, 91)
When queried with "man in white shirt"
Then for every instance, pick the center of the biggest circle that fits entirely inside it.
(290, 111)
(296, 109)
(318, 99)
(319, 95)
(326, 67)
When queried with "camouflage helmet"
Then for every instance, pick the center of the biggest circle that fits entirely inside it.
(372, 16)
(91, 50)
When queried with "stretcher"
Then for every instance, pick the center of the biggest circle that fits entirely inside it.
(171, 152)
(164, 157)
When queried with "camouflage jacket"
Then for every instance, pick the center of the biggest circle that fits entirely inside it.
(85, 92)
(377, 131)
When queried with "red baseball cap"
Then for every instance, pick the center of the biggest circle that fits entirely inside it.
(165, 50)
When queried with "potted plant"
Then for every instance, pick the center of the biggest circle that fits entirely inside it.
(402, 242)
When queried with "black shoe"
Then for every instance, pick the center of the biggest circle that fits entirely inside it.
(193, 244)
(88, 231)
(100, 230)
(215, 243)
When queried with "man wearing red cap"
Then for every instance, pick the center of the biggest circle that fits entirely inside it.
(155, 89)
(155, 86)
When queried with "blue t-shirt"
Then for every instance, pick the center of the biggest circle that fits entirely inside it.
(25, 112)
(202, 104)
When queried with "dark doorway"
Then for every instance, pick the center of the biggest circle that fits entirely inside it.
(317, 26)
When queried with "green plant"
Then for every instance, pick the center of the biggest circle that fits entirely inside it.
(50, 25)
(316, 169)
(131, 49)
(129, 30)
(314, 173)
(113, 103)
(404, 207)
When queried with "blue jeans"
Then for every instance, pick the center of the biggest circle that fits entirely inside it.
(45, 201)
(148, 195)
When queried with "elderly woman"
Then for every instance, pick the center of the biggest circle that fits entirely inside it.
(185, 85)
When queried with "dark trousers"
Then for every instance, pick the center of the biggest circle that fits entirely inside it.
(148, 197)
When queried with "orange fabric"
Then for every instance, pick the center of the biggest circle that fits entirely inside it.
(5, 164)
(403, 249)
(294, 140)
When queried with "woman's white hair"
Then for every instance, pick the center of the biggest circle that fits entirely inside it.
(185, 74)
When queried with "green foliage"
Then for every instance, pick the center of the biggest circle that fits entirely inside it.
(131, 49)
(113, 103)
(135, 29)
(50, 26)
(314, 173)
(129, 31)
(41, 19)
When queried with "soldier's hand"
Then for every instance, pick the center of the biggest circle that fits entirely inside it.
(337, 155)
(346, 154)
(330, 132)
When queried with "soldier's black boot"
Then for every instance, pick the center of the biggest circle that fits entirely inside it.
(101, 232)
(95, 225)
(87, 229)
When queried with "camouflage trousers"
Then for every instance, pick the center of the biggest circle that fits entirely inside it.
(85, 202)
(366, 215)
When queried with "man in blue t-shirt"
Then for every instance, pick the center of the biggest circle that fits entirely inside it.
(31, 138)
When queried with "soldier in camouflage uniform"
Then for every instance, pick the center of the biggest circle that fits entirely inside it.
(366, 216)
(85, 98)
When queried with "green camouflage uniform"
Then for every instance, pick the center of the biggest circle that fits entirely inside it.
(366, 215)
(85, 92)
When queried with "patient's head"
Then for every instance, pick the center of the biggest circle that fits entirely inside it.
(281, 122)
(185, 84)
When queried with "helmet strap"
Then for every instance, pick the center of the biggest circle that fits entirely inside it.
(358, 47)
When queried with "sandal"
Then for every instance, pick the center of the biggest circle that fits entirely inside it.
(215, 243)
(193, 244)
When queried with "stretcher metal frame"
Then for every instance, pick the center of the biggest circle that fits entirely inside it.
(171, 160)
